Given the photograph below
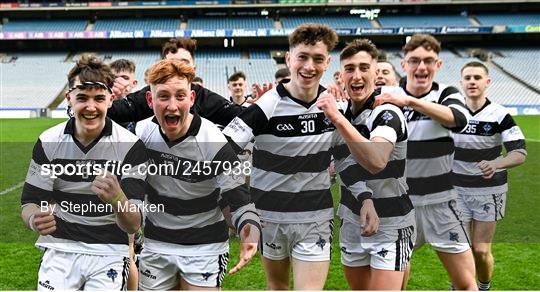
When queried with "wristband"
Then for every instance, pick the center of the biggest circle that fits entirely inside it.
(31, 222)
(117, 198)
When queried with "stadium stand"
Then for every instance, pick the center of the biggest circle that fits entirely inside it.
(43, 25)
(341, 21)
(215, 72)
(504, 90)
(232, 22)
(509, 19)
(34, 79)
(423, 20)
(129, 24)
(523, 63)
(217, 54)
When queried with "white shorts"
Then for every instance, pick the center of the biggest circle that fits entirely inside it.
(163, 271)
(487, 208)
(386, 250)
(441, 225)
(310, 242)
(74, 271)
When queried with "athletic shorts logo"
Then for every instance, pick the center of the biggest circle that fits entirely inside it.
(454, 236)
(112, 273)
(321, 242)
(284, 127)
(383, 252)
(206, 276)
(148, 274)
(46, 285)
(344, 250)
(272, 245)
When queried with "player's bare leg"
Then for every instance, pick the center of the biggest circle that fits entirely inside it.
(309, 275)
(277, 273)
(385, 280)
(483, 233)
(358, 277)
(460, 268)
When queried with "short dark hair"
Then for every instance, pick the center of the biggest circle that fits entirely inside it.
(311, 33)
(174, 44)
(89, 68)
(123, 65)
(426, 41)
(387, 62)
(475, 64)
(236, 75)
(359, 45)
(197, 79)
(282, 73)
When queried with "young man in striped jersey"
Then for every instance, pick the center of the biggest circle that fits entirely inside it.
(187, 244)
(290, 182)
(480, 170)
(83, 214)
(377, 262)
(434, 111)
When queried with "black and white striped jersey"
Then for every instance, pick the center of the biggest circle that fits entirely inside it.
(290, 181)
(90, 231)
(204, 167)
(430, 147)
(388, 188)
(489, 128)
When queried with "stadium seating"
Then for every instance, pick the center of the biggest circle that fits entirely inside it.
(129, 24)
(509, 19)
(423, 20)
(215, 72)
(43, 25)
(340, 21)
(504, 89)
(523, 63)
(234, 22)
(218, 54)
(34, 79)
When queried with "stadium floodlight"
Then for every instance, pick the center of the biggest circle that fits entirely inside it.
(366, 13)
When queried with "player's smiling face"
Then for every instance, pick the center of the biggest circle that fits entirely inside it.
(385, 75)
(171, 102)
(421, 65)
(89, 105)
(307, 64)
(474, 82)
(358, 74)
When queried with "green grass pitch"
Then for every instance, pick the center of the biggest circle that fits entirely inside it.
(516, 247)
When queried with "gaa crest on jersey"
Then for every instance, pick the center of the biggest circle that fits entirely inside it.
(387, 116)
(326, 121)
(487, 128)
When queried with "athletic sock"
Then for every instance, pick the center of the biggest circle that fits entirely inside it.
(484, 286)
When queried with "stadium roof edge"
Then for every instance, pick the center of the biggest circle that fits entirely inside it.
(6, 7)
